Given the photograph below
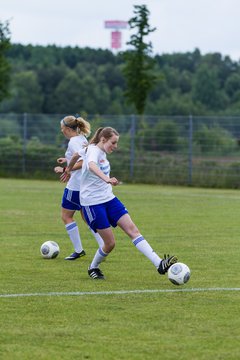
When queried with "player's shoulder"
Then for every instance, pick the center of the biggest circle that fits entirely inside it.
(79, 139)
(77, 144)
(94, 149)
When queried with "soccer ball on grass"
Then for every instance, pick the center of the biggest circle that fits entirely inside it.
(179, 273)
(49, 250)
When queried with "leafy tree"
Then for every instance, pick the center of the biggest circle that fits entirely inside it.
(68, 97)
(49, 78)
(206, 86)
(174, 104)
(232, 84)
(26, 95)
(181, 61)
(138, 63)
(4, 64)
(185, 82)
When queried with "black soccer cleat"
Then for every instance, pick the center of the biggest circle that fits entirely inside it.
(96, 273)
(75, 255)
(166, 263)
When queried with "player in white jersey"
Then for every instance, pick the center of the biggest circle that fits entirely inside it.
(76, 130)
(102, 209)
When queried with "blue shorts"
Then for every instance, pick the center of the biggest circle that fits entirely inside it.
(71, 200)
(104, 215)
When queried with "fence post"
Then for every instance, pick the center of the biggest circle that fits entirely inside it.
(132, 145)
(24, 142)
(190, 136)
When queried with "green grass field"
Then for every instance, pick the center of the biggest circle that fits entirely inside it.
(135, 313)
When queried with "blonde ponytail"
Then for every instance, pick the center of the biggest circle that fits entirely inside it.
(78, 124)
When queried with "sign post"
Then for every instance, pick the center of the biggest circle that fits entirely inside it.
(116, 35)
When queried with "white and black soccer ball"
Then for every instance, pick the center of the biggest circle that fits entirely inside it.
(179, 273)
(49, 250)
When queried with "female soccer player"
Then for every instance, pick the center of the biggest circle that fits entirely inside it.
(102, 209)
(75, 129)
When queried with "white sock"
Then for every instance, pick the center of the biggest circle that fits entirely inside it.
(98, 238)
(143, 246)
(72, 230)
(98, 258)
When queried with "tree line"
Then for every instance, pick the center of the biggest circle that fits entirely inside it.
(51, 79)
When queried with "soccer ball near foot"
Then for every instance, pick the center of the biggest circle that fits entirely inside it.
(49, 250)
(179, 273)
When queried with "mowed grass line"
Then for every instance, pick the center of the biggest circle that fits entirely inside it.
(200, 226)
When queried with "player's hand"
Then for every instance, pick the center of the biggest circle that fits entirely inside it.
(61, 160)
(113, 181)
(65, 176)
(58, 170)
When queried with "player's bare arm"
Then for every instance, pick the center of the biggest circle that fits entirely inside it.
(72, 162)
(94, 168)
(66, 173)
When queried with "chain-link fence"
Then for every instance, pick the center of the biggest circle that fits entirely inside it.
(181, 150)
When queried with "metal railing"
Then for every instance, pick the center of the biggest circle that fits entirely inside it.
(183, 150)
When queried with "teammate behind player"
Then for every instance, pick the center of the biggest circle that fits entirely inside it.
(76, 130)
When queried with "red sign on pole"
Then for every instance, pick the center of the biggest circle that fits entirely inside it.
(116, 35)
(116, 40)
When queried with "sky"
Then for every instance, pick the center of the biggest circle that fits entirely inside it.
(181, 25)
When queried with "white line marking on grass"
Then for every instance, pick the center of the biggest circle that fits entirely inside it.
(118, 292)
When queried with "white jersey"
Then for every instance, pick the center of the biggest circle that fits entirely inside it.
(76, 144)
(94, 190)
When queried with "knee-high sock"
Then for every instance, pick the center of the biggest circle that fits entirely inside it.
(99, 256)
(97, 237)
(73, 232)
(143, 246)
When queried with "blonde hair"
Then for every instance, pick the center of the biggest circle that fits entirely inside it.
(106, 132)
(78, 124)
